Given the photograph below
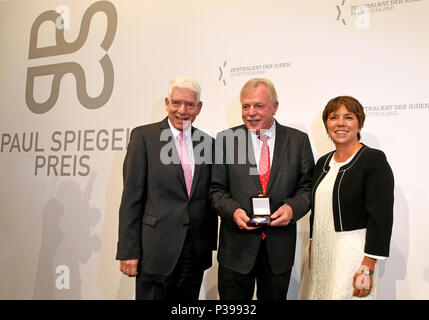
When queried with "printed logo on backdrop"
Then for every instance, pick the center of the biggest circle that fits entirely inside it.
(391, 110)
(61, 20)
(67, 152)
(228, 71)
(359, 13)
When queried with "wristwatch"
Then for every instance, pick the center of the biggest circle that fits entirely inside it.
(366, 271)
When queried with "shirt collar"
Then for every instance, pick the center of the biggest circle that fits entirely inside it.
(187, 132)
(270, 132)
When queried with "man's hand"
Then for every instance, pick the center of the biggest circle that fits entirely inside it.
(241, 219)
(282, 216)
(129, 267)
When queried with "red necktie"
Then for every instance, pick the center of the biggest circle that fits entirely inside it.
(264, 164)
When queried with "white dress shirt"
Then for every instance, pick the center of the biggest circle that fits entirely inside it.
(188, 140)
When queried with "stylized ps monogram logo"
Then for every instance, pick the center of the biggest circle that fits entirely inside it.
(63, 47)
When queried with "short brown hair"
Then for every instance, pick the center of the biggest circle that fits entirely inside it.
(351, 105)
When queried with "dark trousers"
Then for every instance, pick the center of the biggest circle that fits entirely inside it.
(236, 286)
(182, 284)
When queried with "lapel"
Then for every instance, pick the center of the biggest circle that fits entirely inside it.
(173, 154)
(197, 166)
(280, 147)
(251, 161)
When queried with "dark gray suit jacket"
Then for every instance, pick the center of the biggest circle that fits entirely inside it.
(156, 211)
(233, 185)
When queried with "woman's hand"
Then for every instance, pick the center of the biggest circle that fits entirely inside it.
(362, 280)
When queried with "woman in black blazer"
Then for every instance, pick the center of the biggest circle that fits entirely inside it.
(352, 209)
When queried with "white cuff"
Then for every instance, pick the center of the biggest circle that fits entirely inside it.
(375, 257)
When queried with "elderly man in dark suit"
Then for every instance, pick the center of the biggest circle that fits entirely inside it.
(167, 230)
(261, 156)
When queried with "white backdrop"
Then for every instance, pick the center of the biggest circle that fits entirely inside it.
(61, 168)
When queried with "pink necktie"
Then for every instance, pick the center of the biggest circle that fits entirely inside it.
(264, 164)
(186, 163)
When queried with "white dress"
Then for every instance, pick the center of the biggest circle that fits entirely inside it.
(335, 256)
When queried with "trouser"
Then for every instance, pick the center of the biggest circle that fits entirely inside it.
(236, 286)
(182, 284)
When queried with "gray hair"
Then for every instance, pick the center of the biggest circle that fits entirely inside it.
(185, 82)
(253, 83)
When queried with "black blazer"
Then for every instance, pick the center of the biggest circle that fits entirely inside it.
(156, 211)
(233, 185)
(362, 197)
